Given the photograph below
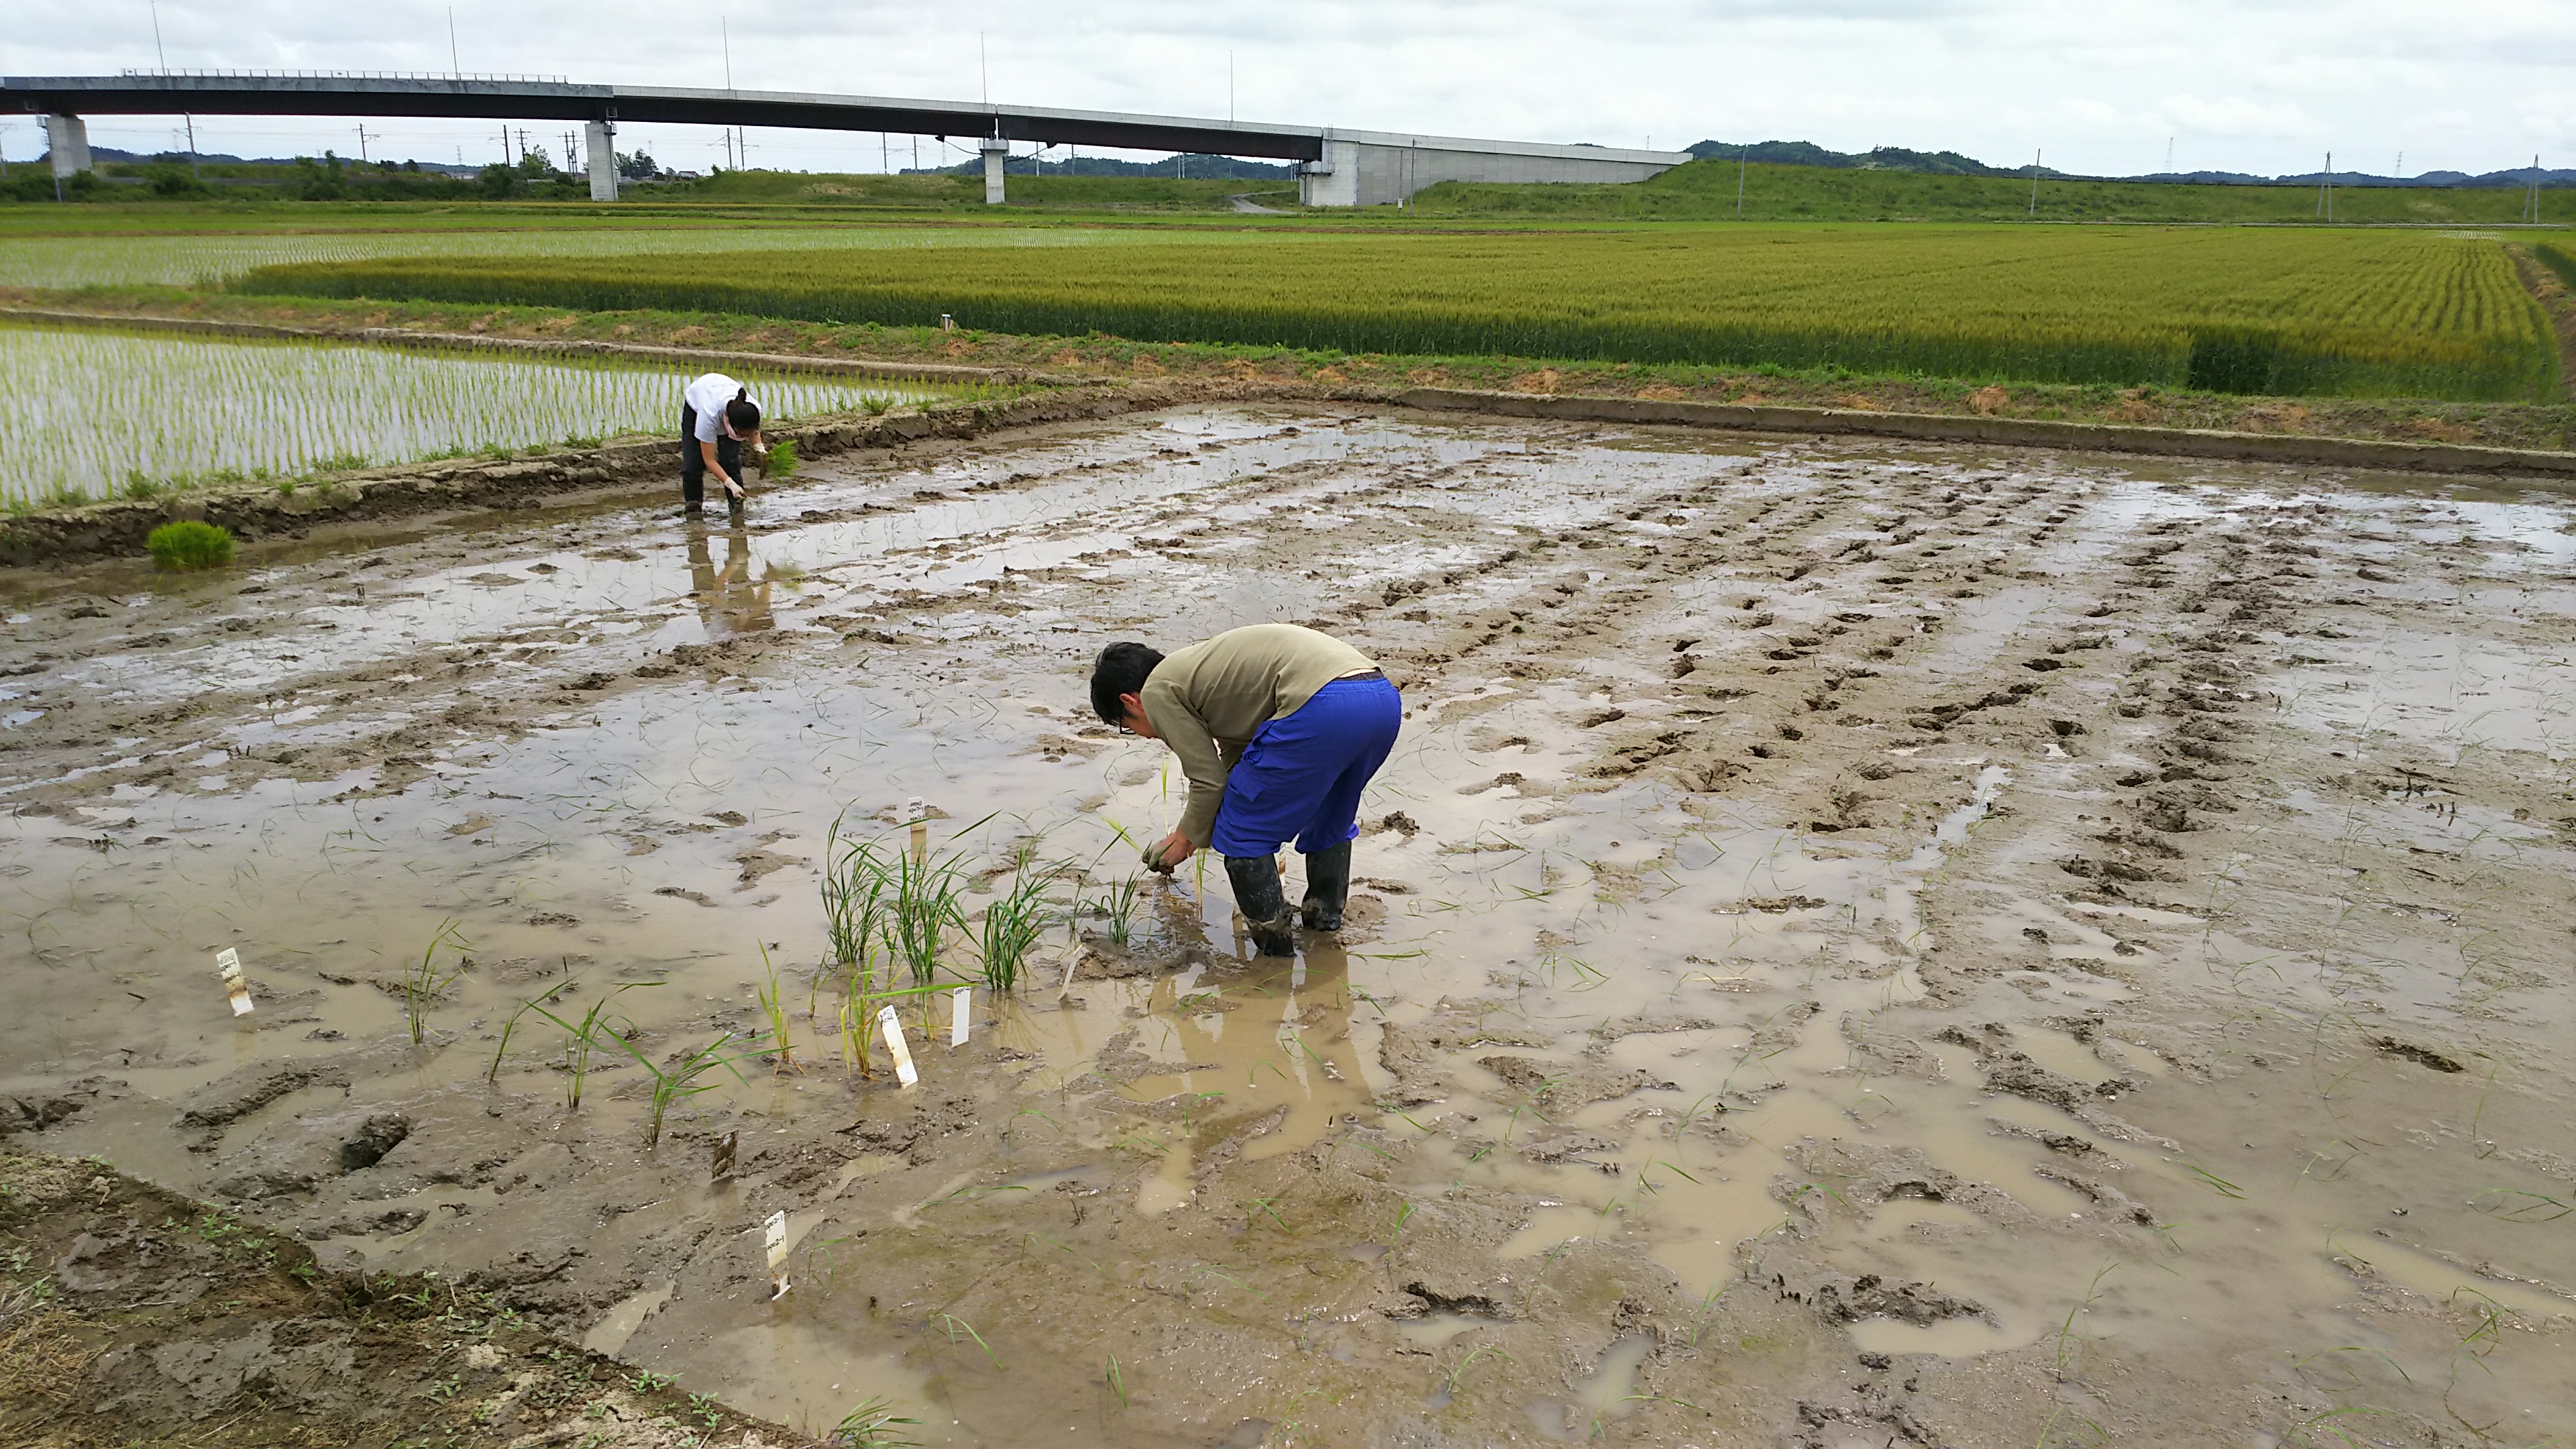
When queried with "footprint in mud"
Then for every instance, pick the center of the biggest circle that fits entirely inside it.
(684, 894)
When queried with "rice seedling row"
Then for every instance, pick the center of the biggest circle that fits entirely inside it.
(141, 414)
(2225, 309)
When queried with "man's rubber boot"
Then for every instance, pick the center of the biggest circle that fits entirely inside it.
(1264, 905)
(1328, 887)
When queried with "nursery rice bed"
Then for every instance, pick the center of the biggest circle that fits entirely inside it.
(2280, 311)
(112, 413)
(1857, 941)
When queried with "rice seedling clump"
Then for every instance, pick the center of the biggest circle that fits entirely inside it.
(189, 544)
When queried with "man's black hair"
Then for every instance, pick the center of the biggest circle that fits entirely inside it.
(742, 414)
(1121, 670)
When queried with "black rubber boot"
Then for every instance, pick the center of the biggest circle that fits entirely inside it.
(1263, 903)
(1328, 887)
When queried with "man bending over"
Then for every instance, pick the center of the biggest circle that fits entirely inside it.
(1279, 728)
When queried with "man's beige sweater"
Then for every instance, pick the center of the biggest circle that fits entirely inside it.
(1209, 700)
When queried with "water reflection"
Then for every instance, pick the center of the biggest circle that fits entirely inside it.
(730, 600)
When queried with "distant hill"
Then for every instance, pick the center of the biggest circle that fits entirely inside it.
(1951, 163)
(225, 158)
(1885, 158)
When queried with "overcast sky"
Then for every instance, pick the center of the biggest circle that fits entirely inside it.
(2265, 86)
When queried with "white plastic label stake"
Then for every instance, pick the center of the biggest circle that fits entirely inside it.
(963, 1000)
(913, 813)
(775, 1231)
(228, 966)
(892, 1025)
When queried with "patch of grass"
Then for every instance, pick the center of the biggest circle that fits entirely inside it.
(781, 462)
(579, 1040)
(189, 544)
(1015, 920)
(1116, 908)
(874, 1425)
(773, 1007)
(671, 1084)
(423, 982)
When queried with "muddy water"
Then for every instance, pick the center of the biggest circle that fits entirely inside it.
(1854, 941)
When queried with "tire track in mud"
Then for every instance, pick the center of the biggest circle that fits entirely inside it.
(1929, 1067)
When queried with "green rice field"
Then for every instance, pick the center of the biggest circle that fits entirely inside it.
(107, 413)
(2383, 313)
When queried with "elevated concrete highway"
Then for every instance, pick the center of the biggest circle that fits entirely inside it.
(1335, 167)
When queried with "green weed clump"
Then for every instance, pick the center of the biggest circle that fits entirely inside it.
(781, 462)
(189, 544)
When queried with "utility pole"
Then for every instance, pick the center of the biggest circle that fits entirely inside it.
(1229, 88)
(2169, 155)
(455, 65)
(983, 68)
(164, 57)
(2034, 184)
(1741, 158)
(885, 155)
(362, 143)
(724, 32)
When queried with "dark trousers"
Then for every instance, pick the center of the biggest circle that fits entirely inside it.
(693, 464)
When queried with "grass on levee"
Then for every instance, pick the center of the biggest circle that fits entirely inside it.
(2546, 425)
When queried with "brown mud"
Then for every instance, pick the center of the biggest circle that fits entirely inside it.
(1860, 943)
(136, 1316)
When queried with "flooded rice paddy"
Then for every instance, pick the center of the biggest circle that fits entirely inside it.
(1857, 944)
(115, 412)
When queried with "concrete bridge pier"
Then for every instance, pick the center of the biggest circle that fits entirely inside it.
(67, 137)
(996, 151)
(599, 143)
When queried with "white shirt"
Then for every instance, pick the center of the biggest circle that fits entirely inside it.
(709, 394)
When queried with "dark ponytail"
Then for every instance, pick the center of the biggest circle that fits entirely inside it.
(742, 414)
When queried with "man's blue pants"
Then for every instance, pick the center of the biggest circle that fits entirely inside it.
(1302, 775)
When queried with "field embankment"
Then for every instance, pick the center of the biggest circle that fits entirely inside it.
(2239, 311)
(116, 1331)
